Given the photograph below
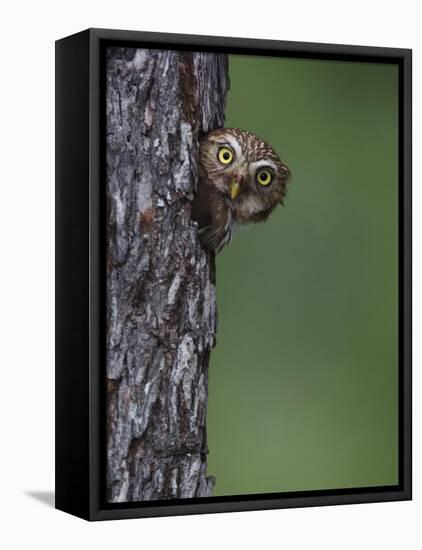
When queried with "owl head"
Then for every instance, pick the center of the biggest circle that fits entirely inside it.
(246, 171)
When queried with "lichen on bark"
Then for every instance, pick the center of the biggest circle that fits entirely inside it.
(161, 308)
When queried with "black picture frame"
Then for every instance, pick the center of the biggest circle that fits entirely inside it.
(80, 278)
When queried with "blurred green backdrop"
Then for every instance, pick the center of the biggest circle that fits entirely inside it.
(303, 380)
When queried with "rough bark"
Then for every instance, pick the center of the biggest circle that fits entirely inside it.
(161, 310)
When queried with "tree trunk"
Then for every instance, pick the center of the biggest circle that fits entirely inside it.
(161, 309)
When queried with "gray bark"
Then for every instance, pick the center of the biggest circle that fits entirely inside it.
(161, 309)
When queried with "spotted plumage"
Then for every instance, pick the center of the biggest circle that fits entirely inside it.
(241, 181)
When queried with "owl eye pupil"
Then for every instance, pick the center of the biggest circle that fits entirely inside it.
(226, 155)
(264, 176)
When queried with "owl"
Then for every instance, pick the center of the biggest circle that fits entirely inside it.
(241, 179)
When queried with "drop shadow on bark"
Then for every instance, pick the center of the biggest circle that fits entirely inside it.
(45, 497)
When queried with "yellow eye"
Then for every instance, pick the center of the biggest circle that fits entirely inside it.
(264, 177)
(225, 155)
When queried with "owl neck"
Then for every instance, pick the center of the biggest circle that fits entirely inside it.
(224, 235)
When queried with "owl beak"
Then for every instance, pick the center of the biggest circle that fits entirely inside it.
(234, 189)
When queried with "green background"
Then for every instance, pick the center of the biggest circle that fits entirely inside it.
(303, 380)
